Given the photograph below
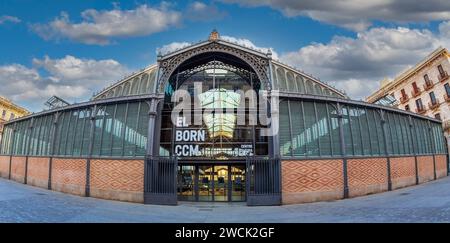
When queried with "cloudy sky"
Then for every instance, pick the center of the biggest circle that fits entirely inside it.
(74, 48)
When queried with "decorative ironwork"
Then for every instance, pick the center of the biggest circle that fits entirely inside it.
(259, 64)
(245, 74)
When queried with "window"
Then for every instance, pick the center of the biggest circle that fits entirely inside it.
(447, 89)
(437, 116)
(441, 70)
(12, 116)
(281, 79)
(406, 107)
(415, 88)
(427, 79)
(419, 104)
(432, 98)
(404, 96)
(3, 114)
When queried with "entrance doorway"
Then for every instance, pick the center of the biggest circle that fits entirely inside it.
(211, 183)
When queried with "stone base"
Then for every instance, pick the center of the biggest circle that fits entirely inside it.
(37, 182)
(308, 197)
(71, 189)
(403, 182)
(126, 196)
(366, 190)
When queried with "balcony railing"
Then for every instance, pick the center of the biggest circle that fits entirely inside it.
(421, 110)
(428, 85)
(447, 98)
(416, 92)
(404, 99)
(443, 76)
(434, 105)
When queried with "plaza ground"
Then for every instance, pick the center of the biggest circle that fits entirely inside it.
(428, 202)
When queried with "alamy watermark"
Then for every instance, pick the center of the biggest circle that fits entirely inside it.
(221, 107)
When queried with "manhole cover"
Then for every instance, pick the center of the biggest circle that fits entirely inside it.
(41, 194)
(404, 194)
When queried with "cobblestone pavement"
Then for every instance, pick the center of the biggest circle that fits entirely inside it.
(429, 202)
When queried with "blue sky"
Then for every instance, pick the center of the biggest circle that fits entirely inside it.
(73, 48)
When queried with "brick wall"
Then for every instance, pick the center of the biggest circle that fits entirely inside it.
(403, 172)
(18, 169)
(118, 180)
(69, 175)
(37, 174)
(311, 180)
(441, 166)
(4, 166)
(425, 165)
(366, 176)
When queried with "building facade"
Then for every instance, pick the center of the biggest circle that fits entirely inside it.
(423, 89)
(216, 121)
(9, 111)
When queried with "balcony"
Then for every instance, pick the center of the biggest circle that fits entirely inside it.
(443, 76)
(421, 110)
(428, 85)
(434, 105)
(415, 92)
(404, 99)
(447, 98)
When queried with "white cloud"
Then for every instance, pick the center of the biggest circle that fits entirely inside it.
(174, 46)
(70, 78)
(199, 11)
(358, 14)
(100, 27)
(7, 18)
(249, 44)
(357, 65)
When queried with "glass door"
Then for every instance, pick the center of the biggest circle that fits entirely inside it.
(221, 183)
(186, 183)
(237, 183)
(211, 183)
(205, 183)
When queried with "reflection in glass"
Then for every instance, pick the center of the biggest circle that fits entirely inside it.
(186, 179)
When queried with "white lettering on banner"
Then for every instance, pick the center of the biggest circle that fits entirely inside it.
(194, 150)
(190, 135)
(181, 122)
(187, 150)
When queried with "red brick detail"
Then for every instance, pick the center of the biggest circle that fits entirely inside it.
(367, 176)
(18, 169)
(403, 172)
(4, 166)
(37, 174)
(69, 175)
(441, 166)
(311, 180)
(117, 179)
(425, 165)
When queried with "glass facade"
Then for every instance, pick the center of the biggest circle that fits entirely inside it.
(286, 80)
(219, 135)
(312, 129)
(118, 130)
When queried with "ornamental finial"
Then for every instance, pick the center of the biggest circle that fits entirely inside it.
(214, 36)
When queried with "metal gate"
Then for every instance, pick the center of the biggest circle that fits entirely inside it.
(263, 181)
(160, 180)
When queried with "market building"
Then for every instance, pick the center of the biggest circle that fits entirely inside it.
(216, 121)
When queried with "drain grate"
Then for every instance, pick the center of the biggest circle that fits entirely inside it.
(404, 193)
(40, 194)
